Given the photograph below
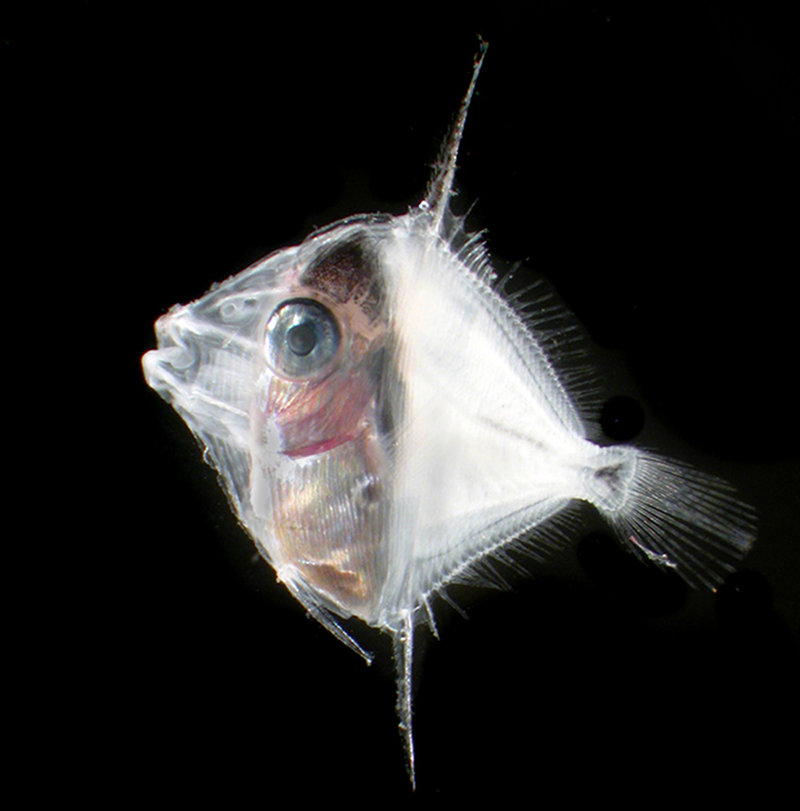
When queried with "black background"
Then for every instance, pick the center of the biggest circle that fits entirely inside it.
(643, 159)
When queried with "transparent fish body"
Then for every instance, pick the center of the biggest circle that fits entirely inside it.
(383, 421)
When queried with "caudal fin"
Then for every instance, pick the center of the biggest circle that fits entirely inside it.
(676, 516)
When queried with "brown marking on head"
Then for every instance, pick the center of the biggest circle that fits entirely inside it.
(348, 271)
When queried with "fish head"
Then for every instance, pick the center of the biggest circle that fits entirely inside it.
(279, 373)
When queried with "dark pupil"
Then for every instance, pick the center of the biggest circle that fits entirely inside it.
(301, 338)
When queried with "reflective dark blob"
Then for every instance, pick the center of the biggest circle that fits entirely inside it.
(621, 418)
(653, 589)
(302, 339)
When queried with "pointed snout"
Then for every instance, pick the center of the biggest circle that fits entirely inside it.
(166, 368)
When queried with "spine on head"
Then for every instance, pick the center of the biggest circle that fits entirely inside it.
(440, 189)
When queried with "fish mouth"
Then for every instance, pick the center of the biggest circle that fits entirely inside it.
(184, 371)
(167, 368)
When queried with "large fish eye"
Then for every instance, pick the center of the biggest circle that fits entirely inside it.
(302, 338)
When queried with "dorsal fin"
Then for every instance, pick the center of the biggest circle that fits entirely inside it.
(440, 188)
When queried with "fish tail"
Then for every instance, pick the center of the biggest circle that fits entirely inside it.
(669, 513)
